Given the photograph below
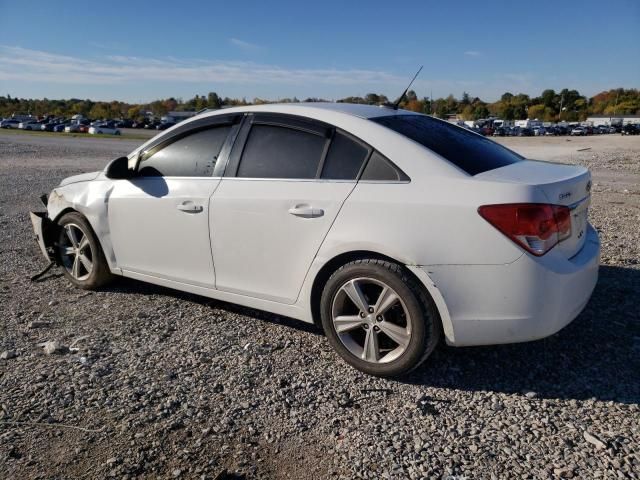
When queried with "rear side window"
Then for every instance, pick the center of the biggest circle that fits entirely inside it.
(344, 158)
(467, 150)
(193, 155)
(280, 152)
(379, 169)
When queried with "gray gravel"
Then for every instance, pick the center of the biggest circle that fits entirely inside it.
(146, 382)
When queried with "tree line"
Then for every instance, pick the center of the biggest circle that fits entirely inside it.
(566, 105)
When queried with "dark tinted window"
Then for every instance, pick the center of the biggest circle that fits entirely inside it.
(280, 152)
(471, 152)
(344, 158)
(380, 169)
(192, 156)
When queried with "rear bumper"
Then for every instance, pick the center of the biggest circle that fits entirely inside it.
(42, 229)
(526, 300)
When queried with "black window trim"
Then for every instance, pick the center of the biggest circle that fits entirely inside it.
(308, 125)
(233, 120)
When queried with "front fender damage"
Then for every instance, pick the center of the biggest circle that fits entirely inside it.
(91, 199)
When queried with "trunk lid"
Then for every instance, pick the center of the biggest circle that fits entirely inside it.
(568, 185)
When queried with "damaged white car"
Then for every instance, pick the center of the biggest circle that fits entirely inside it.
(390, 229)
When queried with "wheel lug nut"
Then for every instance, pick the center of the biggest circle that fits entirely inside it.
(370, 309)
(379, 318)
(376, 329)
(366, 326)
(362, 315)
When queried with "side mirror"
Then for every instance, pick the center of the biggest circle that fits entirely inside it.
(118, 169)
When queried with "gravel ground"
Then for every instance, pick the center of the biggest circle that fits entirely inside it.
(158, 383)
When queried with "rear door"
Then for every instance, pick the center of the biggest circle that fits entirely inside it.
(159, 220)
(285, 184)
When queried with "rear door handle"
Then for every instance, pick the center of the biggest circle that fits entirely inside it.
(190, 207)
(306, 211)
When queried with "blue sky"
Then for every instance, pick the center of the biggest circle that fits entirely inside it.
(139, 51)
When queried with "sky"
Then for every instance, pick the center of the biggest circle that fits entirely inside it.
(139, 51)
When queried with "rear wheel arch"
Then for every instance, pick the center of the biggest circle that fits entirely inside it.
(342, 259)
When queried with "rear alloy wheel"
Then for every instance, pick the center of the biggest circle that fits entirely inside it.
(378, 318)
(79, 253)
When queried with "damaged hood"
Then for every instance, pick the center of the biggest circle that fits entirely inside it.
(83, 177)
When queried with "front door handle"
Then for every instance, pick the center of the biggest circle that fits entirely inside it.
(306, 211)
(190, 207)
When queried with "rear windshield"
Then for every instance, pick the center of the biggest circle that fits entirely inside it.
(467, 150)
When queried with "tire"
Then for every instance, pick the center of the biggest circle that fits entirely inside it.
(412, 319)
(87, 267)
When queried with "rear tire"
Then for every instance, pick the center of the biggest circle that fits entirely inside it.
(79, 253)
(378, 318)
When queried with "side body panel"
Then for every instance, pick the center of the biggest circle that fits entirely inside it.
(160, 226)
(260, 247)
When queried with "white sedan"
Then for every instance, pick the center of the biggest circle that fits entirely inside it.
(390, 229)
(101, 129)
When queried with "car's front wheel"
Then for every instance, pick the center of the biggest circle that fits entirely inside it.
(378, 318)
(79, 253)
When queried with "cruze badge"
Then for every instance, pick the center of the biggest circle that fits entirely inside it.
(564, 195)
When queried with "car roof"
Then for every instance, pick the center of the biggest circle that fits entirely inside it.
(354, 109)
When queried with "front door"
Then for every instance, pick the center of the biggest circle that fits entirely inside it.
(159, 220)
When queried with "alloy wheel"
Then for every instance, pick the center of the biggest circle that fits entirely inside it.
(371, 320)
(75, 251)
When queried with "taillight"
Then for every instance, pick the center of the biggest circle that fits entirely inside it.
(537, 227)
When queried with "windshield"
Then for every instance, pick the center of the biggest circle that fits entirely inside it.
(467, 150)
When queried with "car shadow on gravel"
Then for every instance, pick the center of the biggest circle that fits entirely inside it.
(129, 286)
(596, 356)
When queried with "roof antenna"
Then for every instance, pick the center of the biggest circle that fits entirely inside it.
(404, 94)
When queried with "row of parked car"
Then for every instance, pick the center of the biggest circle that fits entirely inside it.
(97, 127)
(578, 130)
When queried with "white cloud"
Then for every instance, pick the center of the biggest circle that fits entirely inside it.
(246, 46)
(472, 53)
(21, 64)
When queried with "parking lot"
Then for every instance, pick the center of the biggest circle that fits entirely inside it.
(168, 384)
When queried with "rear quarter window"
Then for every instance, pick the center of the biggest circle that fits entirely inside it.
(467, 150)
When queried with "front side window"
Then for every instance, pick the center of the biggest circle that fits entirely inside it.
(467, 150)
(193, 155)
(274, 151)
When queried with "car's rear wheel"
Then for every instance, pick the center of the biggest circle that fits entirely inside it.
(79, 253)
(378, 318)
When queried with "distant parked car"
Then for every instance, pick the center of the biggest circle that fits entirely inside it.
(103, 129)
(29, 125)
(525, 132)
(165, 125)
(60, 127)
(152, 125)
(124, 123)
(49, 126)
(539, 131)
(76, 128)
(578, 132)
(9, 123)
(499, 132)
(140, 124)
(630, 129)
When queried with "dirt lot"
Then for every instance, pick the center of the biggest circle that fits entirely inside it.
(171, 385)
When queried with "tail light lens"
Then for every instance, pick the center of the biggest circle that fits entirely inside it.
(536, 227)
